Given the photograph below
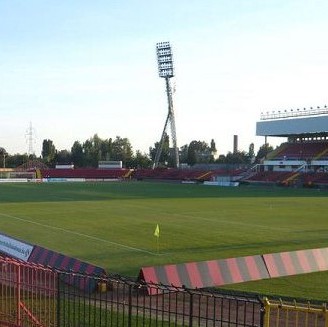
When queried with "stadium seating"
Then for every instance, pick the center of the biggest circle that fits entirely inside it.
(270, 176)
(168, 174)
(304, 162)
(301, 151)
(315, 178)
(288, 178)
(176, 174)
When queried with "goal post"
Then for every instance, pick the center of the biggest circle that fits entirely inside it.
(20, 176)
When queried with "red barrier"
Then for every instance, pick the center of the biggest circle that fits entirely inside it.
(207, 273)
(296, 262)
(237, 270)
(21, 250)
(60, 261)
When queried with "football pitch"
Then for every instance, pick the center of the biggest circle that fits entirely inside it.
(112, 225)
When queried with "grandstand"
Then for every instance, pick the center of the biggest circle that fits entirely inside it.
(173, 174)
(84, 174)
(157, 174)
(303, 159)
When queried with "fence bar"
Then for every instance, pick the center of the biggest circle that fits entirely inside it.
(279, 314)
(34, 296)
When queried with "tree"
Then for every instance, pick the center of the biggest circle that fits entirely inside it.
(251, 153)
(213, 148)
(166, 158)
(64, 157)
(16, 160)
(77, 154)
(192, 153)
(3, 154)
(48, 152)
(221, 159)
(140, 160)
(184, 153)
(199, 152)
(106, 149)
(93, 150)
(237, 157)
(90, 153)
(263, 152)
(122, 150)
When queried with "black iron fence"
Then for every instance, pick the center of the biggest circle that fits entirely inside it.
(33, 295)
(116, 301)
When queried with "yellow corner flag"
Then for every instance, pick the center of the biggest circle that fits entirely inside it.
(156, 233)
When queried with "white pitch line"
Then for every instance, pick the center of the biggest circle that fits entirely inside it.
(82, 235)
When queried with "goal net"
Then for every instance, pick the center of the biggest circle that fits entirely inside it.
(17, 175)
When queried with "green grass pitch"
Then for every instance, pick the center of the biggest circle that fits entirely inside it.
(112, 225)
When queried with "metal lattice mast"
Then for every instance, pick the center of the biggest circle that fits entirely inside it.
(172, 121)
(30, 139)
(166, 70)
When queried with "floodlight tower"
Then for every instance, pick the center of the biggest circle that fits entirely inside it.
(166, 70)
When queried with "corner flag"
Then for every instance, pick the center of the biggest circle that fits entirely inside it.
(156, 233)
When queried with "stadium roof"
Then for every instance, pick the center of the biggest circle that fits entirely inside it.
(287, 124)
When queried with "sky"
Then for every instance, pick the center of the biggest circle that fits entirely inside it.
(75, 68)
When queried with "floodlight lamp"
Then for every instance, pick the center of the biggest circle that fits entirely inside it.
(164, 59)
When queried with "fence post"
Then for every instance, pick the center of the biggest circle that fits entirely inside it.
(262, 312)
(266, 320)
(130, 307)
(18, 294)
(324, 308)
(58, 298)
(191, 311)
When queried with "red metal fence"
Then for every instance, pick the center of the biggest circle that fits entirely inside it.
(28, 294)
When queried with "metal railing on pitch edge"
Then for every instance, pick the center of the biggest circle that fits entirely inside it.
(282, 313)
(32, 295)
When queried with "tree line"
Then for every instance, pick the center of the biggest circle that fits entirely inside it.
(95, 149)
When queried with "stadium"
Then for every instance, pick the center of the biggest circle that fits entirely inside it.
(302, 161)
(113, 246)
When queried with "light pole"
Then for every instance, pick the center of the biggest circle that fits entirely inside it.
(166, 70)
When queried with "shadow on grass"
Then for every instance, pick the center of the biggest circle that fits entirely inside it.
(299, 243)
(58, 192)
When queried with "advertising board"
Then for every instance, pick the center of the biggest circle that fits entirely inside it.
(15, 248)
